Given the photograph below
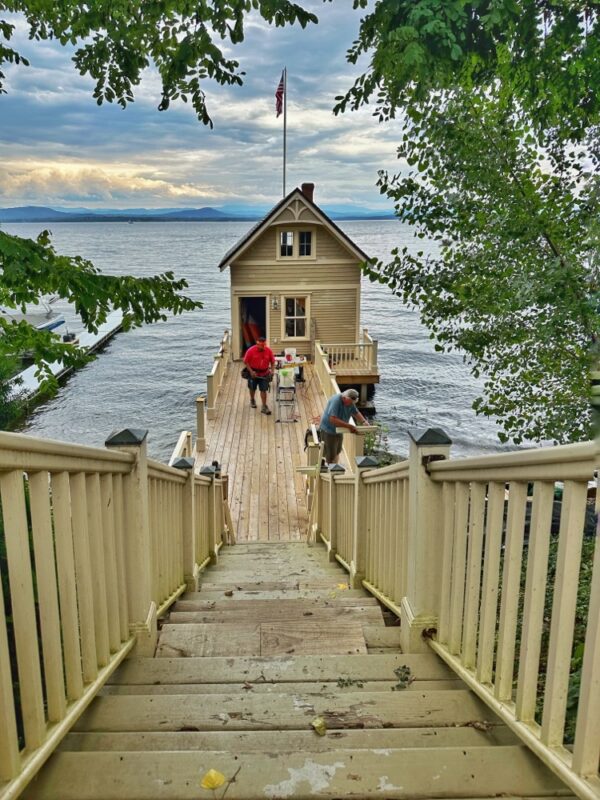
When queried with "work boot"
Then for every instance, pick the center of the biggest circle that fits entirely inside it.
(265, 410)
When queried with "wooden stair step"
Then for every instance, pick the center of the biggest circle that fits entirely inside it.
(383, 638)
(290, 741)
(293, 593)
(266, 638)
(278, 612)
(323, 688)
(389, 773)
(223, 603)
(290, 668)
(251, 711)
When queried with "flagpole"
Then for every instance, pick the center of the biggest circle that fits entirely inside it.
(284, 124)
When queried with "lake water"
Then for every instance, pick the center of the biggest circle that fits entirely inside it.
(149, 377)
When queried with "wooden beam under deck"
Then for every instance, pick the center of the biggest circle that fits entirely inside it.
(266, 494)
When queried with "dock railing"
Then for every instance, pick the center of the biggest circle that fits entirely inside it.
(483, 564)
(214, 380)
(98, 543)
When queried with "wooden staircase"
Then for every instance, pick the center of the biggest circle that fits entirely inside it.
(275, 640)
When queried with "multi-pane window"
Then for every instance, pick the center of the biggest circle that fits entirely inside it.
(286, 243)
(295, 316)
(305, 243)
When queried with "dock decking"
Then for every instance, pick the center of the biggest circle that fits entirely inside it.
(260, 456)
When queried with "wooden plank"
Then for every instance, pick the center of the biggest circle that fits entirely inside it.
(261, 606)
(288, 741)
(363, 614)
(225, 584)
(490, 583)
(311, 638)
(10, 760)
(282, 712)
(329, 688)
(184, 641)
(425, 666)
(419, 772)
(378, 636)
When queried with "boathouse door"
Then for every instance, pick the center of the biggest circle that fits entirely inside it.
(253, 321)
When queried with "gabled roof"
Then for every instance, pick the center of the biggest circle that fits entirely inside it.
(254, 232)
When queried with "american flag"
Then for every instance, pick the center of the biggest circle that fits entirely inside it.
(279, 96)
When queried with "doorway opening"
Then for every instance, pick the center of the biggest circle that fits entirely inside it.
(253, 320)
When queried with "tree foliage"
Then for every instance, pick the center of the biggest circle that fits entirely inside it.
(500, 171)
(115, 41)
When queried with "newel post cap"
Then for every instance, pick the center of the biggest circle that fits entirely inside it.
(208, 470)
(366, 461)
(126, 436)
(336, 468)
(429, 436)
(183, 463)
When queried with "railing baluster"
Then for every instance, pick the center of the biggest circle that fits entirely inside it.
(473, 585)
(10, 759)
(110, 562)
(457, 593)
(45, 571)
(509, 602)
(98, 585)
(119, 516)
(586, 753)
(490, 586)
(448, 495)
(23, 607)
(564, 601)
(67, 588)
(535, 595)
(83, 576)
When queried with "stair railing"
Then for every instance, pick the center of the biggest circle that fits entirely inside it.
(214, 380)
(461, 551)
(98, 543)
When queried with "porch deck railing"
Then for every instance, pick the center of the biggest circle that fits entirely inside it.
(214, 380)
(482, 564)
(98, 543)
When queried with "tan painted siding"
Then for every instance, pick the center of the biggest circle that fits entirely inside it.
(335, 315)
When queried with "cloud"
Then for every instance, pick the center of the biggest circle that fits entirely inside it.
(57, 145)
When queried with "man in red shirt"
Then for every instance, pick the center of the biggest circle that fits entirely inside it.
(260, 361)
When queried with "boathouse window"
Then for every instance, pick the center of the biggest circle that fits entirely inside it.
(295, 317)
(305, 243)
(286, 243)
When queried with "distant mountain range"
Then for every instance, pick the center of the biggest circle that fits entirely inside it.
(207, 214)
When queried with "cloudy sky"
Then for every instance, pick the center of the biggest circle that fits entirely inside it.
(58, 148)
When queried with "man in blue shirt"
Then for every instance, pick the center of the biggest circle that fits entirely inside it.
(337, 414)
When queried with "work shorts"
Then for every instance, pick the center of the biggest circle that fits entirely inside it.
(333, 445)
(262, 384)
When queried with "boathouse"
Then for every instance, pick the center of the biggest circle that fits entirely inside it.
(296, 279)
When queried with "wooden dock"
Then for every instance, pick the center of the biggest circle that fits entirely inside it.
(260, 456)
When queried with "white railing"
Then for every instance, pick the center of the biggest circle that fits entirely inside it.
(460, 550)
(344, 358)
(214, 380)
(324, 372)
(98, 543)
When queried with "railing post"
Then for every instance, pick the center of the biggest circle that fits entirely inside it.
(190, 571)
(211, 395)
(200, 426)
(211, 472)
(420, 606)
(357, 565)
(334, 469)
(138, 547)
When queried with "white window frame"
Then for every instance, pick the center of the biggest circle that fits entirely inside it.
(313, 244)
(295, 296)
(280, 233)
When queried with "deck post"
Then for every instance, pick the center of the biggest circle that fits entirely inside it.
(138, 553)
(420, 606)
(190, 571)
(211, 472)
(357, 565)
(334, 469)
(200, 425)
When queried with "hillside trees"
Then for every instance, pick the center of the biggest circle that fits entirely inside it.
(114, 41)
(500, 152)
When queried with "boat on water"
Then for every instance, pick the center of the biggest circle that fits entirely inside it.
(40, 315)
